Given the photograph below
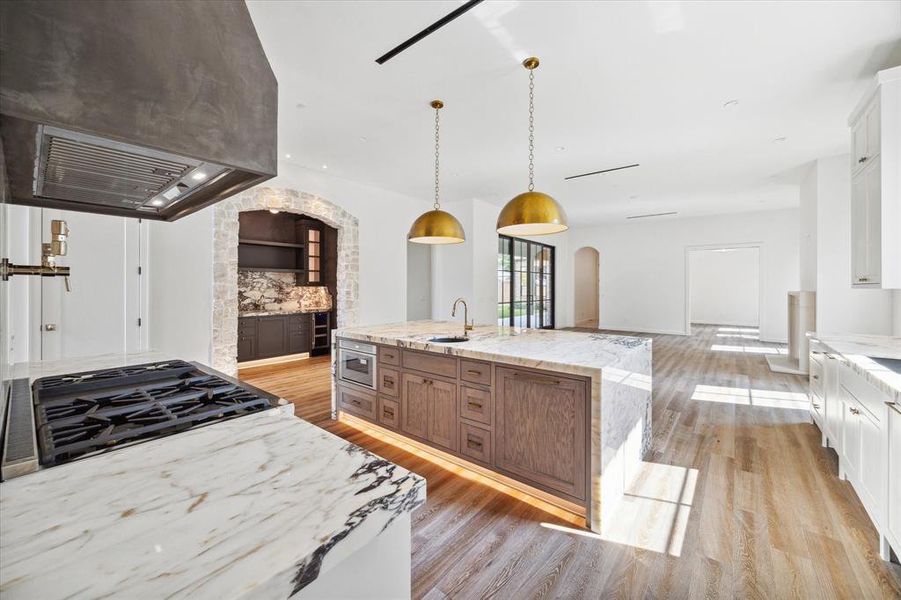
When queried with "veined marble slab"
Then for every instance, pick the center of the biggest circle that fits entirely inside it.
(45, 368)
(257, 506)
(857, 349)
(619, 368)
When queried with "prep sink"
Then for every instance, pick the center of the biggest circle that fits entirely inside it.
(451, 339)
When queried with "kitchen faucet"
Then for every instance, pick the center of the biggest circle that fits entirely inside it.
(467, 327)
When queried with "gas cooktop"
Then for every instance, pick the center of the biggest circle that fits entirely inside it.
(80, 414)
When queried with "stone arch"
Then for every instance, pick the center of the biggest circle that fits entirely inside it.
(225, 260)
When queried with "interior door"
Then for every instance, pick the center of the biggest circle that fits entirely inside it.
(100, 313)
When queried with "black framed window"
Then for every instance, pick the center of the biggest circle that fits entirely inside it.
(525, 283)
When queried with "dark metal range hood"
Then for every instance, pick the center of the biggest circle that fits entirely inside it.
(142, 109)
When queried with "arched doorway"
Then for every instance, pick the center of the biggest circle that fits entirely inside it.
(587, 287)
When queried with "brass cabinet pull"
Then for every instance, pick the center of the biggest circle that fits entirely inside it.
(388, 380)
(473, 372)
(474, 443)
(388, 412)
(537, 379)
(815, 376)
(355, 401)
(853, 410)
(472, 404)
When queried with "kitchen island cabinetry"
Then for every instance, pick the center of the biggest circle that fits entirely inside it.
(518, 406)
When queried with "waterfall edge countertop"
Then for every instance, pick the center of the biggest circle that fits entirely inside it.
(857, 350)
(257, 506)
(618, 366)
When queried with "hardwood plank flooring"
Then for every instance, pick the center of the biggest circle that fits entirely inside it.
(738, 499)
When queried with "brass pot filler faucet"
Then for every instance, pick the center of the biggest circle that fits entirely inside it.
(59, 233)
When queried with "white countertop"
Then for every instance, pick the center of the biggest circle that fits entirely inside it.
(551, 349)
(256, 506)
(46, 368)
(857, 349)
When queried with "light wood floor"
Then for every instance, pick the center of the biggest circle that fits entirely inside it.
(757, 512)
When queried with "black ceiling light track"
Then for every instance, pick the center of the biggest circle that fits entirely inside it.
(663, 214)
(427, 31)
(601, 171)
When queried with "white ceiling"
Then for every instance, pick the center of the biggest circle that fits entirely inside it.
(619, 83)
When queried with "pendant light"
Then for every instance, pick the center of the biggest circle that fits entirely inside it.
(531, 213)
(436, 226)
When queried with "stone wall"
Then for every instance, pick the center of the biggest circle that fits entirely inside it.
(225, 260)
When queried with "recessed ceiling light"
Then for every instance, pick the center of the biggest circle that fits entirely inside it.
(301, 105)
(560, 149)
(730, 103)
(325, 166)
(198, 176)
(157, 202)
(287, 156)
(779, 140)
(633, 197)
(362, 138)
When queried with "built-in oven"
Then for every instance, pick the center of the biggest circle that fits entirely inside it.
(357, 363)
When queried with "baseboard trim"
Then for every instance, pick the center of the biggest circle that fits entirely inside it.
(275, 360)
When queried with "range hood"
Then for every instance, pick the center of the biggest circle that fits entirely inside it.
(141, 109)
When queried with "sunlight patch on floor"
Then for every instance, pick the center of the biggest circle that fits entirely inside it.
(653, 514)
(746, 336)
(750, 397)
(749, 349)
(740, 329)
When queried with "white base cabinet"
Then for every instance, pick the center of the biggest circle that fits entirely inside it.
(864, 428)
(892, 533)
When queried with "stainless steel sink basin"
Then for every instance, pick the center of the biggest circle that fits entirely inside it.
(451, 339)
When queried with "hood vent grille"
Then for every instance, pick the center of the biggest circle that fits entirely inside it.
(82, 168)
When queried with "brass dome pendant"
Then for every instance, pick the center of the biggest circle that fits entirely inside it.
(436, 226)
(531, 213)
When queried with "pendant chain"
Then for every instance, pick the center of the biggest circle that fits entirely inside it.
(531, 129)
(437, 204)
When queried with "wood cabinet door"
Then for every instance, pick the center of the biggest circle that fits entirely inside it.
(414, 409)
(894, 472)
(541, 429)
(298, 334)
(443, 414)
(247, 338)
(272, 338)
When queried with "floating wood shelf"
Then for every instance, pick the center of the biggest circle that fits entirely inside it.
(268, 243)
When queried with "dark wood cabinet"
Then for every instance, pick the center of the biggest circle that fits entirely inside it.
(273, 335)
(288, 243)
(540, 429)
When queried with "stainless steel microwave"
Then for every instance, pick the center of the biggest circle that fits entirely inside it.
(357, 363)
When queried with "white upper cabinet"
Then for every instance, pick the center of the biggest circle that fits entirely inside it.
(876, 185)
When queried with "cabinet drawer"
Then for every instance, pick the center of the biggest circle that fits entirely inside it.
(389, 382)
(816, 376)
(444, 366)
(389, 412)
(475, 443)
(475, 372)
(869, 397)
(389, 355)
(476, 405)
(357, 402)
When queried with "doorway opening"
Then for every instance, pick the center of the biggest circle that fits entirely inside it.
(587, 288)
(724, 288)
(419, 281)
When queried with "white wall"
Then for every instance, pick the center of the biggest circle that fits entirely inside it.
(725, 286)
(181, 254)
(841, 308)
(807, 251)
(896, 313)
(643, 268)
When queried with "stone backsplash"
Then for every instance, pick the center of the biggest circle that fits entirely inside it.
(260, 290)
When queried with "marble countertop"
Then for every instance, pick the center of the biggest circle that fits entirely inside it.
(256, 506)
(857, 349)
(46, 368)
(551, 349)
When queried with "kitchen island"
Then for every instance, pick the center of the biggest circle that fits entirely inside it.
(264, 505)
(563, 415)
